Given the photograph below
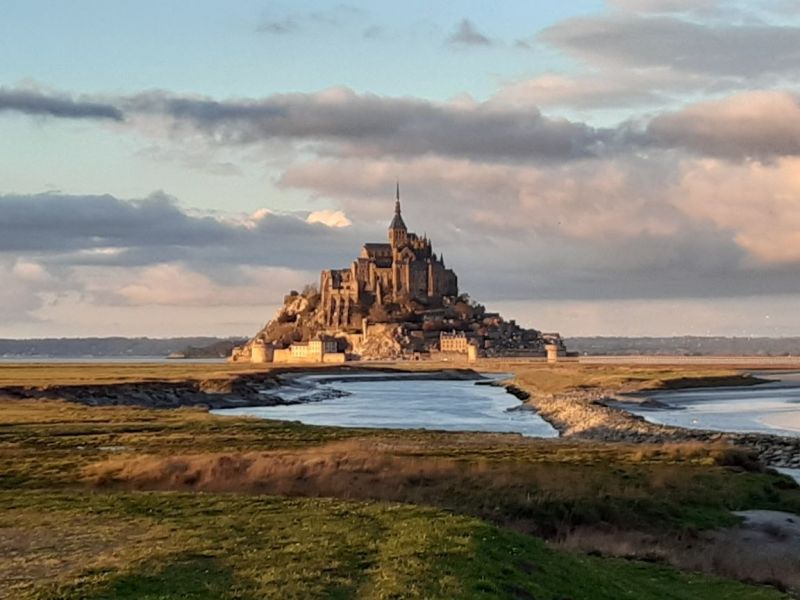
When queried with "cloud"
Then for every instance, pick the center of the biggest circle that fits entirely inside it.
(370, 124)
(666, 6)
(30, 271)
(625, 228)
(168, 284)
(37, 103)
(284, 26)
(61, 222)
(26, 287)
(70, 230)
(760, 125)
(757, 203)
(334, 17)
(630, 40)
(373, 32)
(646, 227)
(466, 34)
(331, 218)
(657, 54)
(103, 251)
(508, 128)
(593, 90)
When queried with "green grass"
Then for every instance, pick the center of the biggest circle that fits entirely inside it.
(189, 546)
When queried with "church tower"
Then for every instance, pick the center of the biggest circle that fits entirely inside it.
(398, 233)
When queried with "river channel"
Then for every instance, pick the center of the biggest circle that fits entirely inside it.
(404, 403)
(767, 408)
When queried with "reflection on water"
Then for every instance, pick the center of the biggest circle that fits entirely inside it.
(769, 408)
(412, 404)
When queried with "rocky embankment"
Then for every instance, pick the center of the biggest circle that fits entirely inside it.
(265, 389)
(208, 393)
(588, 414)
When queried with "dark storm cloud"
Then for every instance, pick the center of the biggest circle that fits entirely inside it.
(38, 103)
(687, 46)
(466, 34)
(380, 125)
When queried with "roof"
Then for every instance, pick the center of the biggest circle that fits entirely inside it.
(372, 247)
(397, 223)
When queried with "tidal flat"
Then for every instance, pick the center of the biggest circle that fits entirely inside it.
(132, 501)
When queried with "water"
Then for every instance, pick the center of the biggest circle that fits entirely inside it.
(411, 404)
(770, 408)
(794, 473)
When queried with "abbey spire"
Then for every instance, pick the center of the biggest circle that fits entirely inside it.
(397, 228)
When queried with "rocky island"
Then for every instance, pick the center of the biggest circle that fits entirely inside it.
(397, 300)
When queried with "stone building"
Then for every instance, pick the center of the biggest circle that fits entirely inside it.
(405, 268)
(453, 342)
(320, 350)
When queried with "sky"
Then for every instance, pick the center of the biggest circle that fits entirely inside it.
(619, 167)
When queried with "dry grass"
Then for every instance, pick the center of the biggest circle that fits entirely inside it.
(697, 452)
(663, 489)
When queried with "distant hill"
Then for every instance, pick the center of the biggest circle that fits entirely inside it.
(114, 347)
(218, 349)
(686, 346)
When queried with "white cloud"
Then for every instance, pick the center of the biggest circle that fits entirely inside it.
(330, 218)
(30, 271)
(172, 284)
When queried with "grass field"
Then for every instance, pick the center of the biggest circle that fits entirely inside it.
(163, 546)
(121, 502)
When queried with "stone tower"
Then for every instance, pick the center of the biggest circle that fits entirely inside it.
(398, 233)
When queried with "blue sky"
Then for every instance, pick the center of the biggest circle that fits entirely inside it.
(620, 167)
(216, 48)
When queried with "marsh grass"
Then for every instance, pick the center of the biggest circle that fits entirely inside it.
(532, 494)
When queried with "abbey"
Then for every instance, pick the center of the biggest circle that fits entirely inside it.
(404, 269)
(397, 300)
